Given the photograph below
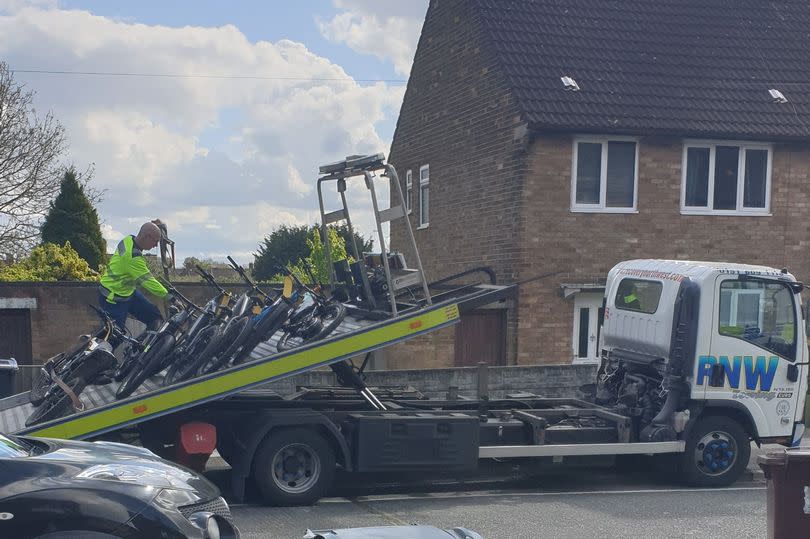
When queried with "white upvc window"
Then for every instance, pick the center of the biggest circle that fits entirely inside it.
(408, 190)
(604, 174)
(726, 178)
(424, 199)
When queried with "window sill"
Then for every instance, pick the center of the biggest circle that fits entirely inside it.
(422, 227)
(583, 361)
(729, 213)
(602, 210)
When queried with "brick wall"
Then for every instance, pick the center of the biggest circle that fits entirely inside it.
(62, 312)
(586, 245)
(459, 117)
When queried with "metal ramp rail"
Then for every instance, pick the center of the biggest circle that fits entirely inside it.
(355, 336)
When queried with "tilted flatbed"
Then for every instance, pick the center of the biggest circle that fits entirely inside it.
(356, 335)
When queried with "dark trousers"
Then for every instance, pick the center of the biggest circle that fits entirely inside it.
(135, 305)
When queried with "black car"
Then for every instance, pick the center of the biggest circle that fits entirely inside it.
(58, 488)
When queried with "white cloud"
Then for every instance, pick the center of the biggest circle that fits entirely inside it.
(110, 234)
(222, 161)
(386, 30)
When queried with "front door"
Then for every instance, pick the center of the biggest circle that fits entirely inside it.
(585, 340)
(481, 336)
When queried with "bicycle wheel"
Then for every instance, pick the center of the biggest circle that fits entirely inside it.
(233, 335)
(185, 367)
(332, 316)
(319, 325)
(265, 329)
(130, 356)
(57, 405)
(145, 365)
(43, 382)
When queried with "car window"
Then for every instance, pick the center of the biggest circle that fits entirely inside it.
(761, 313)
(10, 449)
(638, 295)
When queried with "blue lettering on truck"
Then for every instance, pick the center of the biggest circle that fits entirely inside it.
(754, 372)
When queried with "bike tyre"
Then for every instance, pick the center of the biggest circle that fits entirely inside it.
(149, 364)
(263, 331)
(56, 406)
(205, 342)
(43, 382)
(339, 313)
(233, 335)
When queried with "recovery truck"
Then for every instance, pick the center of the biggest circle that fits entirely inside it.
(697, 360)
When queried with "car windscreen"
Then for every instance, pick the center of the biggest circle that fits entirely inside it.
(9, 448)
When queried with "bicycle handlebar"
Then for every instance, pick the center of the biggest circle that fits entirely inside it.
(243, 274)
(209, 278)
(183, 299)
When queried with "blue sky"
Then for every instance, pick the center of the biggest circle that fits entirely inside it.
(224, 162)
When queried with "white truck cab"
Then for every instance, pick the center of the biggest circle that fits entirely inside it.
(711, 353)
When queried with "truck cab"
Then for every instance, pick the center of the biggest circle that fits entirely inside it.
(710, 353)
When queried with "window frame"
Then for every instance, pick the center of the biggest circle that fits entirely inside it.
(712, 145)
(622, 307)
(797, 317)
(408, 191)
(424, 218)
(601, 207)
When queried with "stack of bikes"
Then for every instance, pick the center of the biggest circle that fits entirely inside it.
(193, 341)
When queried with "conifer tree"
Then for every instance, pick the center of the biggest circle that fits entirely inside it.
(73, 218)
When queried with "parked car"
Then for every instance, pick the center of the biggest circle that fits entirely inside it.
(60, 488)
(393, 532)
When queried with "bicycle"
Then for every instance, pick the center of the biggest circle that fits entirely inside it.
(204, 336)
(314, 318)
(62, 379)
(247, 307)
(160, 345)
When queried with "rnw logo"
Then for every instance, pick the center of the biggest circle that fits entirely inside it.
(6, 516)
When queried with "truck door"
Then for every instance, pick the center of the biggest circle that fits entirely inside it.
(754, 351)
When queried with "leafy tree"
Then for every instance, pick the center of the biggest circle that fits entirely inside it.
(30, 148)
(315, 264)
(73, 219)
(286, 245)
(363, 245)
(50, 262)
(191, 262)
(283, 247)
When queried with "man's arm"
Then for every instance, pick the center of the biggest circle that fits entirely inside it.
(143, 278)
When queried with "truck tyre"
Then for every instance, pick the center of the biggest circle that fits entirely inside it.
(293, 467)
(717, 452)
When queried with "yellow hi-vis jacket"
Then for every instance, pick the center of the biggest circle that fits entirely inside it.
(126, 270)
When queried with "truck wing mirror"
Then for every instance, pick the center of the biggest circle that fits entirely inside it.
(716, 377)
(793, 373)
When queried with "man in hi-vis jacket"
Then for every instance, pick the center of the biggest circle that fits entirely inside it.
(126, 271)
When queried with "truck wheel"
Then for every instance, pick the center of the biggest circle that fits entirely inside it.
(293, 467)
(717, 452)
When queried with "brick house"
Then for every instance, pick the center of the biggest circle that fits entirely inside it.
(567, 135)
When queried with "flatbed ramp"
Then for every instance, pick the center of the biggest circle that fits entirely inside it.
(356, 335)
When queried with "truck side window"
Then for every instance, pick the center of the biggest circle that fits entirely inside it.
(761, 313)
(638, 295)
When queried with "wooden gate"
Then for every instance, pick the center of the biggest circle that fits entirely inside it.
(15, 341)
(481, 336)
